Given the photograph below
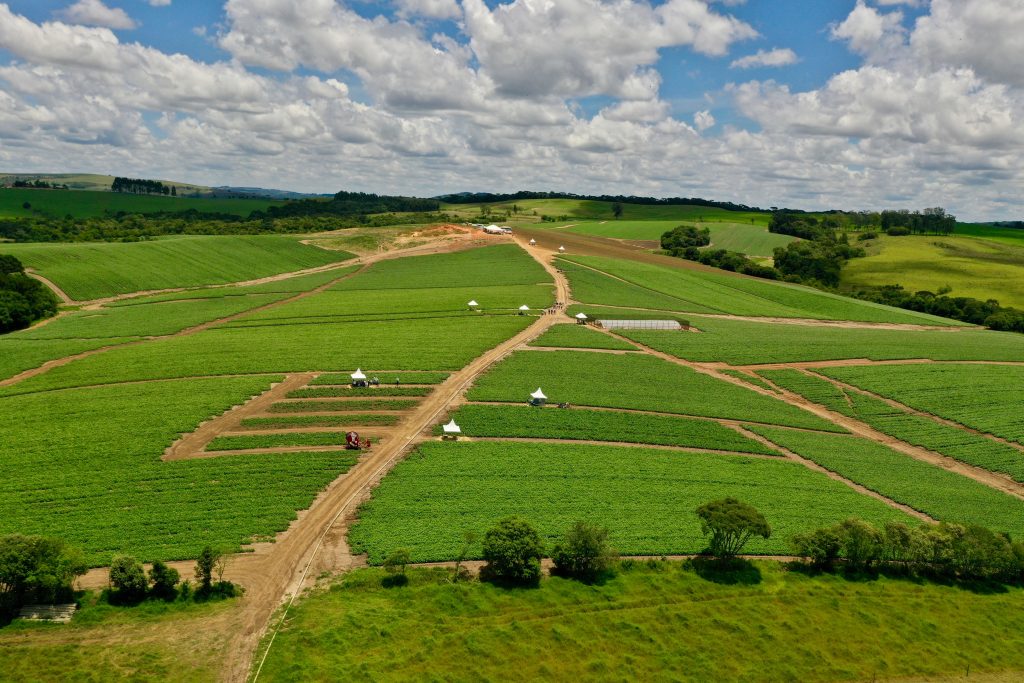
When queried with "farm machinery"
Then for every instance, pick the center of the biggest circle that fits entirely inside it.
(353, 442)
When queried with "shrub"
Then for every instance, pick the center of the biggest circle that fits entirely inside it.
(513, 550)
(584, 553)
(821, 547)
(862, 543)
(164, 580)
(205, 565)
(731, 523)
(897, 231)
(394, 565)
(36, 569)
(865, 236)
(128, 579)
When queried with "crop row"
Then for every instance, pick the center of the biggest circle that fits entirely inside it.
(602, 425)
(580, 337)
(385, 377)
(986, 397)
(238, 443)
(633, 381)
(338, 392)
(941, 494)
(84, 465)
(341, 406)
(920, 431)
(293, 421)
(645, 497)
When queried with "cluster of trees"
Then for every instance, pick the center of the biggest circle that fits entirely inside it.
(34, 569)
(39, 185)
(130, 584)
(490, 198)
(350, 204)
(932, 221)
(962, 551)
(23, 300)
(970, 310)
(683, 237)
(143, 186)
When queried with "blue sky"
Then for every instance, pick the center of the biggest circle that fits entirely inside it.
(885, 100)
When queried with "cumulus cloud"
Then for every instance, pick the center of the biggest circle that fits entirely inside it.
(434, 9)
(159, 3)
(95, 13)
(703, 120)
(776, 57)
(870, 32)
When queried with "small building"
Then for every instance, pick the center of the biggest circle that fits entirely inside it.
(493, 230)
(359, 378)
(581, 318)
(451, 431)
(524, 309)
(538, 399)
(640, 324)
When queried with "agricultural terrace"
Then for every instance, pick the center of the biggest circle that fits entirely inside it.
(89, 204)
(181, 360)
(530, 211)
(87, 270)
(751, 237)
(618, 282)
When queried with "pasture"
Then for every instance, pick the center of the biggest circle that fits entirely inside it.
(978, 268)
(91, 204)
(89, 270)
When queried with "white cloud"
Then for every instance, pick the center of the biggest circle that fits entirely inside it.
(159, 3)
(870, 32)
(776, 57)
(95, 13)
(434, 9)
(703, 120)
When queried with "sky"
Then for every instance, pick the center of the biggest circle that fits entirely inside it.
(813, 104)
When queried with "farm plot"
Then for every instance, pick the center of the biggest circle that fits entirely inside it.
(626, 230)
(238, 443)
(18, 354)
(592, 287)
(941, 494)
(913, 429)
(645, 497)
(341, 406)
(84, 465)
(743, 295)
(348, 392)
(93, 270)
(580, 337)
(988, 398)
(601, 425)
(396, 377)
(740, 342)
(634, 382)
(319, 421)
(398, 345)
(287, 285)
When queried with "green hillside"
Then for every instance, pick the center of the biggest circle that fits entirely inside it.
(89, 204)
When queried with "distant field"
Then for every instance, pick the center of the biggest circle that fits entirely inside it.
(992, 232)
(739, 342)
(645, 497)
(88, 204)
(582, 208)
(90, 270)
(751, 237)
(977, 268)
(654, 623)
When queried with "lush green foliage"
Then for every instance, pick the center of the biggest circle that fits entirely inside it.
(513, 550)
(681, 237)
(580, 337)
(985, 397)
(95, 270)
(939, 493)
(236, 443)
(920, 431)
(634, 382)
(658, 623)
(23, 300)
(347, 392)
(730, 524)
(84, 465)
(294, 421)
(740, 342)
(583, 553)
(35, 568)
(602, 425)
(645, 497)
(85, 204)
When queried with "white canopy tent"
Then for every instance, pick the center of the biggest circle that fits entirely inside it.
(473, 304)
(452, 428)
(538, 394)
(523, 309)
(358, 374)
(561, 249)
(533, 242)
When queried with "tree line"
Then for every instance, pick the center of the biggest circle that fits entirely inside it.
(349, 204)
(38, 185)
(491, 198)
(143, 186)
(23, 300)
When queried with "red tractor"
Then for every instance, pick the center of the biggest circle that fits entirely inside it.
(354, 443)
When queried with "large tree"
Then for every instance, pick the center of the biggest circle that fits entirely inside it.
(513, 550)
(730, 523)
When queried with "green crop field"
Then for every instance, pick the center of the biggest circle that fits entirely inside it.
(89, 204)
(598, 210)
(341, 406)
(18, 354)
(913, 429)
(602, 425)
(994, 233)
(385, 377)
(238, 443)
(720, 293)
(95, 270)
(298, 421)
(649, 624)
(633, 382)
(740, 342)
(941, 494)
(580, 337)
(645, 497)
(750, 237)
(988, 398)
(978, 268)
(347, 392)
(84, 465)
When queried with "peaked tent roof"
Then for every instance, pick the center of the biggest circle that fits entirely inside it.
(581, 316)
(358, 374)
(452, 428)
(473, 303)
(524, 307)
(538, 394)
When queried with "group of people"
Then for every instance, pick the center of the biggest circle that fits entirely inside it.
(557, 308)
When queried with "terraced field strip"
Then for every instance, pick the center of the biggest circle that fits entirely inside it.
(913, 411)
(854, 362)
(627, 444)
(614, 352)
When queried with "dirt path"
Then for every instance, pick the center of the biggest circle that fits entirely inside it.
(61, 294)
(279, 575)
